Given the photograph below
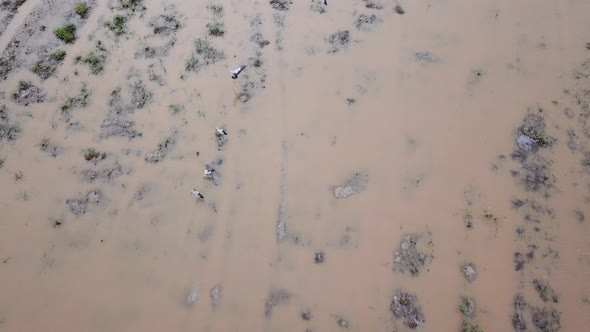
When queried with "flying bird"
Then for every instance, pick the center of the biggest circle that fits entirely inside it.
(220, 131)
(197, 194)
(236, 72)
(208, 173)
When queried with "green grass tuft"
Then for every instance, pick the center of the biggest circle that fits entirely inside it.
(66, 33)
(59, 55)
(117, 24)
(216, 29)
(216, 8)
(132, 5)
(81, 9)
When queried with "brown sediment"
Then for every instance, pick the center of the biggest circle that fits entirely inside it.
(357, 130)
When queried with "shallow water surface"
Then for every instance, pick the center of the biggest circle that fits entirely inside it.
(389, 166)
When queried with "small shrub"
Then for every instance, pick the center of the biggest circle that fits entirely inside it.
(132, 5)
(59, 55)
(37, 68)
(66, 33)
(216, 28)
(201, 46)
(95, 60)
(81, 9)
(90, 154)
(468, 327)
(117, 24)
(191, 63)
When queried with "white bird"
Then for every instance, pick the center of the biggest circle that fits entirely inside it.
(208, 173)
(236, 72)
(197, 194)
(220, 131)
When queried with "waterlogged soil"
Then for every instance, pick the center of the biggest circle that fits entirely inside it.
(388, 165)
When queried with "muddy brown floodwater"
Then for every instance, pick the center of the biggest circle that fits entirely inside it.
(385, 166)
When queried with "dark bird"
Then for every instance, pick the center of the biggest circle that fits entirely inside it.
(326, 2)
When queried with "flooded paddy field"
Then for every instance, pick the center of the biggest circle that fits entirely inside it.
(377, 166)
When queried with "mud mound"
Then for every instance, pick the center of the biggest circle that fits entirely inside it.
(27, 93)
(413, 254)
(338, 41)
(353, 186)
(275, 298)
(405, 306)
(79, 206)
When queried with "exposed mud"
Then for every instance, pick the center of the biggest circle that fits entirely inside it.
(413, 254)
(353, 186)
(405, 306)
(275, 297)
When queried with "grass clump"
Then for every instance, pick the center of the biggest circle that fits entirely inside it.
(66, 33)
(132, 5)
(91, 154)
(216, 28)
(81, 9)
(191, 64)
(81, 100)
(38, 68)
(59, 55)
(468, 327)
(217, 9)
(117, 24)
(22, 86)
(399, 10)
(95, 61)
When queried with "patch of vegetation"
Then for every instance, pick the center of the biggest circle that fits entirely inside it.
(191, 64)
(117, 24)
(217, 9)
(216, 28)
(399, 10)
(27, 93)
(132, 5)
(8, 130)
(59, 55)
(165, 24)
(41, 70)
(91, 154)
(96, 59)
(464, 308)
(540, 137)
(81, 100)
(176, 108)
(280, 4)
(81, 9)
(22, 85)
(468, 327)
(66, 33)
(205, 54)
